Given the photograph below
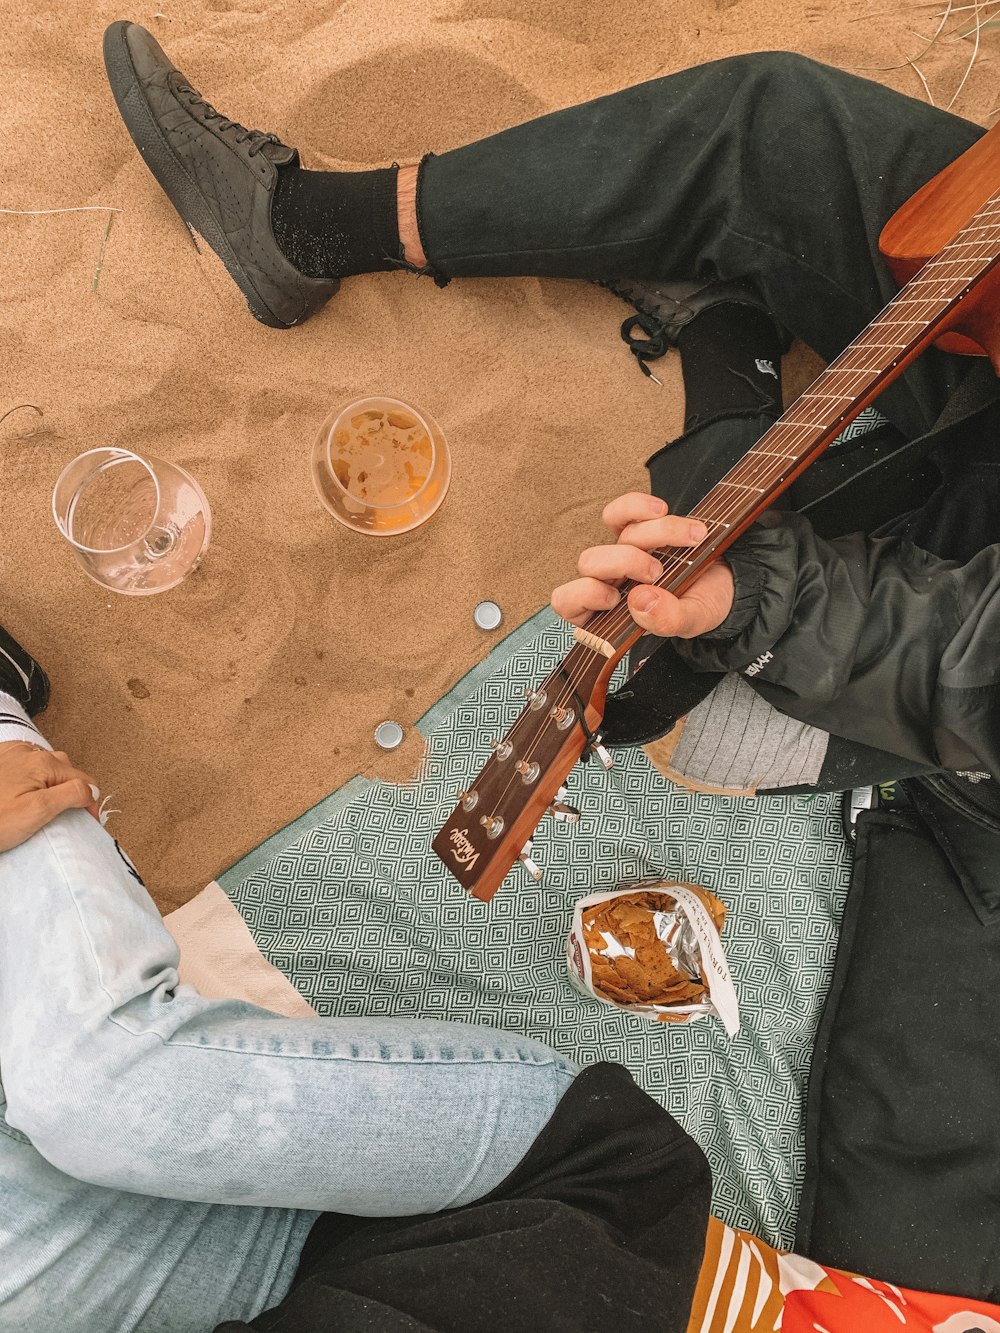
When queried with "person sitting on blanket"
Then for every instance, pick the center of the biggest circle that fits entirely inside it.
(173, 1164)
(164, 1158)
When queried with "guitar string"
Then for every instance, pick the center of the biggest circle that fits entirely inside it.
(675, 562)
(880, 325)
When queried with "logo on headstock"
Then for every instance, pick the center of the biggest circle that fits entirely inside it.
(462, 849)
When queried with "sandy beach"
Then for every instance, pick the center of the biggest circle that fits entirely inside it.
(217, 712)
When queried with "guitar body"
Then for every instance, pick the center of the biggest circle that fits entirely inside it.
(927, 221)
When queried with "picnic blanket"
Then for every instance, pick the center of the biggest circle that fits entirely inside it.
(351, 904)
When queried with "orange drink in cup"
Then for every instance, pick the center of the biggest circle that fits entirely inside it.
(381, 466)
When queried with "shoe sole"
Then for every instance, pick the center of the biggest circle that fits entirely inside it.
(169, 173)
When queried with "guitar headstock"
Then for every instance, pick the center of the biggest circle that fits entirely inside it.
(496, 815)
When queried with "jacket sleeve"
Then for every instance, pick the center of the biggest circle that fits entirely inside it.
(871, 639)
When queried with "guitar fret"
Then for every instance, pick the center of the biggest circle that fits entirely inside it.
(927, 282)
(959, 243)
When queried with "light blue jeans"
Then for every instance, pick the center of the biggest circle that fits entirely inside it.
(163, 1156)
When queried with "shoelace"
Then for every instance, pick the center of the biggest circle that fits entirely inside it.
(256, 138)
(652, 346)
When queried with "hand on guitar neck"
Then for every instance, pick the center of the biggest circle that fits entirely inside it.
(491, 826)
(642, 524)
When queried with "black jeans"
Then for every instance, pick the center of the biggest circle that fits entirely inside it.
(766, 167)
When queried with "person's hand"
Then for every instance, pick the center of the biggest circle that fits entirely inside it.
(641, 524)
(35, 786)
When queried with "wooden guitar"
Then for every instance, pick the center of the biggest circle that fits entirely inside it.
(943, 247)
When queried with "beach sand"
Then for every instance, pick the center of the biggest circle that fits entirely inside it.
(217, 712)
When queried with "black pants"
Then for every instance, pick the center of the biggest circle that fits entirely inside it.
(768, 167)
(601, 1225)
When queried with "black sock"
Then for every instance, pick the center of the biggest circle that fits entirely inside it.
(332, 224)
(731, 363)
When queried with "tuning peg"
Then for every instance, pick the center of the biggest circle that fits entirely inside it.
(493, 824)
(565, 814)
(502, 749)
(595, 747)
(562, 717)
(536, 698)
(468, 799)
(524, 856)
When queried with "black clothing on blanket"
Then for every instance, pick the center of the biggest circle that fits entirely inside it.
(601, 1225)
(903, 1116)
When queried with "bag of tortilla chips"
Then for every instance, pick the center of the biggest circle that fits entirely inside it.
(654, 949)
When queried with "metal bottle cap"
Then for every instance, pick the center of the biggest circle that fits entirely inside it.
(487, 615)
(388, 735)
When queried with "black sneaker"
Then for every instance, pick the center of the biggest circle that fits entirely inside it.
(665, 308)
(21, 676)
(218, 175)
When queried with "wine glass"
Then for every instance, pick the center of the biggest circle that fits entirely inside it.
(381, 466)
(138, 525)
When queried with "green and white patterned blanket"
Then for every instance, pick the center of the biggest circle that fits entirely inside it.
(356, 910)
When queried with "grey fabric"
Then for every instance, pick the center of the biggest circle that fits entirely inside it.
(737, 740)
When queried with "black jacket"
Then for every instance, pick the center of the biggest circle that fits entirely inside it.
(868, 638)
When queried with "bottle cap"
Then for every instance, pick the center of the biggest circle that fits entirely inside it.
(388, 735)
(487, 615)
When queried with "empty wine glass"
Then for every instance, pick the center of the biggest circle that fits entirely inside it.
(380, 466)
(138, 525)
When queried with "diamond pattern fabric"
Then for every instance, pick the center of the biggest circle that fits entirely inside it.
(354, 907)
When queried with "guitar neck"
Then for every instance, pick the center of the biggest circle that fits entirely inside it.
(877, 356)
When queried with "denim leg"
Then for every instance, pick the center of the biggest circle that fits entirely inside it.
(122, 1077)
(76, 1258)
(769, 166)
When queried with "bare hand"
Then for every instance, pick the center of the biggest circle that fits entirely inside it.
(35, 786)
(642, 524)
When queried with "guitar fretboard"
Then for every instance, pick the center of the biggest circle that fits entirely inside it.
(880, 352)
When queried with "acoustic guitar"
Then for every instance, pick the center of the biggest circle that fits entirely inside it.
(943, 247)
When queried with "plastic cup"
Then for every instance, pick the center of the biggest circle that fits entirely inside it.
(381, 466)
